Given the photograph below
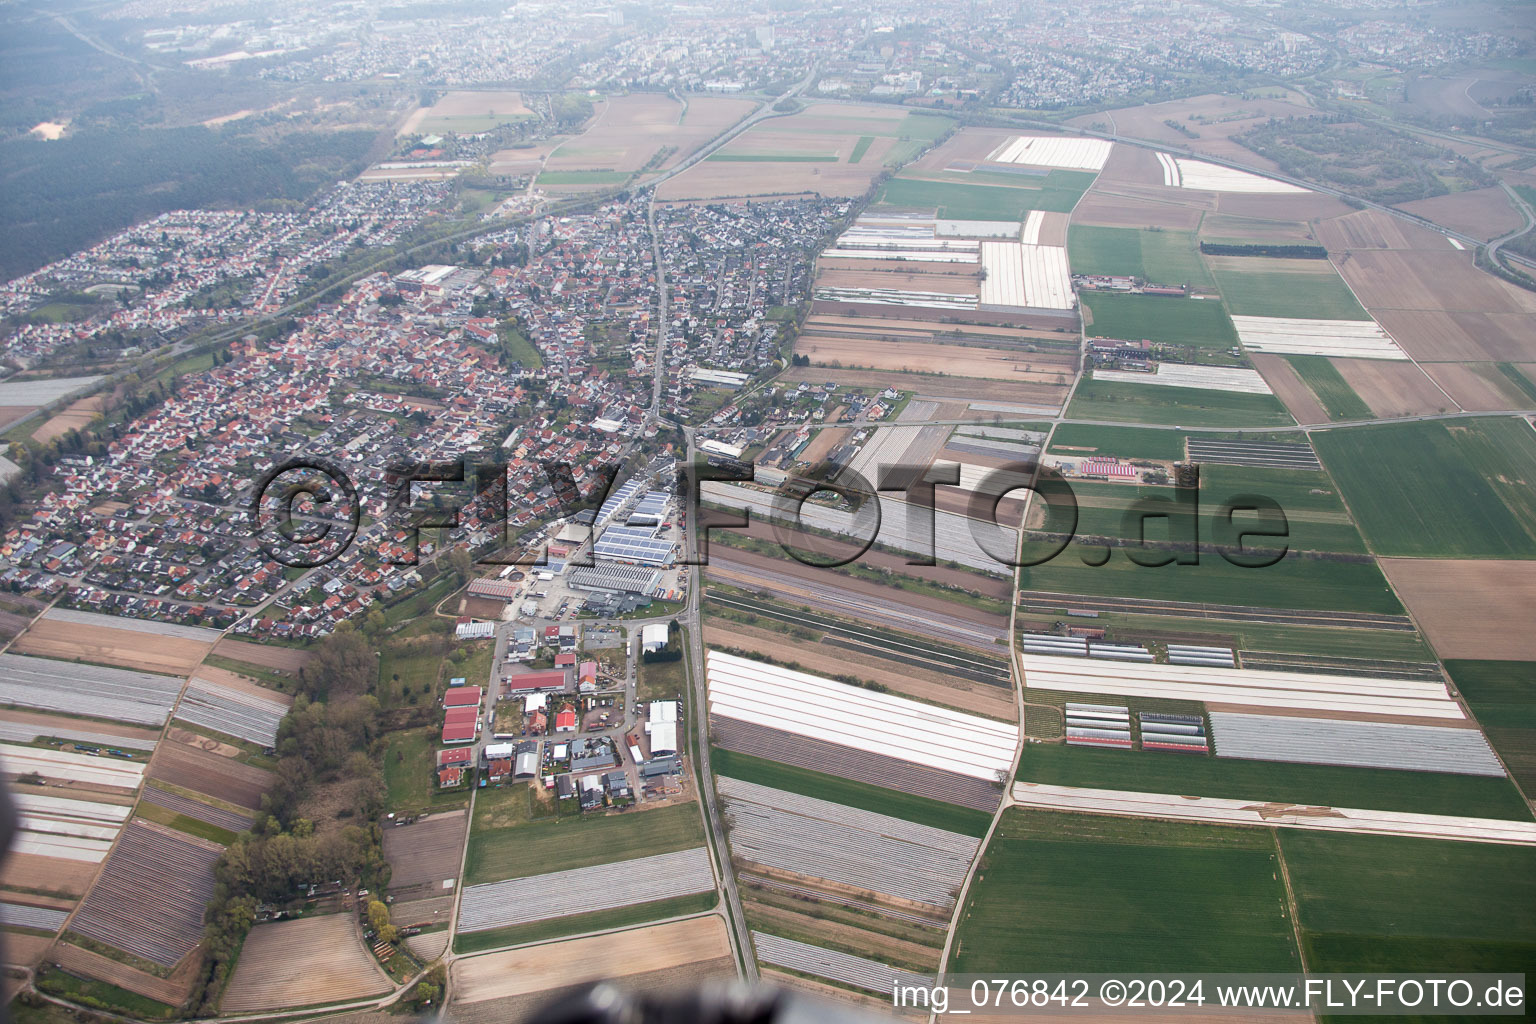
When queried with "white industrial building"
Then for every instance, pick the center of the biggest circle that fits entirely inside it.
(661, 727)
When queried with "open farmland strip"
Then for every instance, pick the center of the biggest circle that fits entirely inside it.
(115, 693)
(19, 915)
(1044, 600)
(93, 965)
(583, 890)
(847, 763)
(23, 732)
(197, 809)
(871, 851)
(1224, 811)
(297, 963)
(752, 880)
(66, 807)
(1260, 454)
(58, 764)
(152, 626)
(1421, 748)
(424, 854)
(76, 848)
(215, 776)
(1274, 660)
(150, 898)
(832, 965)
(232, 712)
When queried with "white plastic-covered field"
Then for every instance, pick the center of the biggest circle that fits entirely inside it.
(42, 392)
(1181, 172)
(1258, 811)
(21, 915)
(904, 239)
(154, 627)
(858, 971)
(1355, 339)
(1063, 151)
(1026, 275)
(1206, 378)
(897, 297)
(66, 827)
(65, 766)
(850, 716)
(790, 832)
(1030, 233)
(949, 228)
(234, 712)
(582, 890)
(1421, 748)
(138, 697)
(903, 527)
(1298, 690)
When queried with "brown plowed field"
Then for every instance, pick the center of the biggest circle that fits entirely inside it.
(1420, 279)
(425, 854)
(954, 692)
(283, 659)
(833, 996)
(1292, 206)
(915, 357)
(1131, 165)
(820, 932)
(1393, 387)
(1290, 388)
(1253, 229)
(1455, 337)
(300, 963)
(968, 145)
(1114, 210)
(904, 279)
(1469, 608)
(627, 132)
(1053, 229)
(529, 1008)
(171, 991)
(518, 972)
(895, 322)
(75, 417)
(32, 871)
(216, 776)
(823, 443)
(1482, 213)
(422, 912)
(1476, 387)
(125, 648)
(25, 950)
(239, 683)
(1372, 229)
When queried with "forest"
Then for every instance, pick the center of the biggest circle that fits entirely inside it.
(57, 197)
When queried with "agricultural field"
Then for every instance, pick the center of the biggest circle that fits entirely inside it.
(1175, 406)
(551, 844)
(963, 199)
(1194, 323)
(1337, 398)
(424, 856)
(1431, 489)
(1252, 286)
(1087, 893)
(139, 645)
(1372, 903)
(1502, 694)
(466, 113)
(1157, 256)
(1469, 608)
(1119, 442)
(1382, 789)
(189, 763)
(301, 963)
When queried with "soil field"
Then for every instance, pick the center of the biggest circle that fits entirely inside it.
(281, 659)
(1288, 207)
(1372, 229)
(74, 417)
(992, 701)
(967, 146)
(525, 160)
(124, 648)
(628, 132)
(1476, 387)
(1281, 377)
(895, 323)
(299, 963)
(823, 443)
(23, 950)
(422, 912)
(908, 280)
(1392, 387)
(1132, 165)
(1482, 213)
(1420, 279)
(1457, 336)
(1213, 118)
(938, 387)
(210, 774)
(518, 972)
(911, 357)
(1232, 228)
(1472, 608)
(170, 991)
(467, 112)
(424, 855)
(31, 871)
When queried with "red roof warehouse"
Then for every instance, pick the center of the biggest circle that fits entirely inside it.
(460, 725)
(462, 697)
(552, 680)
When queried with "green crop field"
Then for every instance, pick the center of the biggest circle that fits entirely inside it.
(1465, 489)
(860, 148)
(1200, 323)
(1161, 257)
(1503, 697)
(1521, 381)
(905, 806)
(1378, 789)
(1122, 442)
(1068, 892)
(1330, 387)
(984, 202)
(1155, 403)
(1293, 582)
(1249, 288)
(555, 844)
(1385, 903)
